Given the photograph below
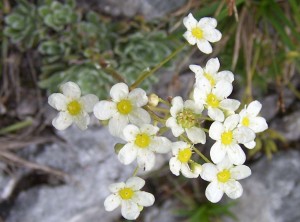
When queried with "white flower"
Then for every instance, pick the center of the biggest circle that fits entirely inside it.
(124, 108)
(223, 178)
(71, 107)
(210, 72)
(184, 119)
(182, 158)
(227, 136)
(129, 196)
(215, 98)
(202, 32)
(142, 144)
(249, 118)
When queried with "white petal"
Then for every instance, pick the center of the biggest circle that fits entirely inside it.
(212, 35)
(144, 199)
(127, 154)
(136, 183)
(233, 189)
(216, 114)
(213, 192)
(197, 70)
(176, 129)
(175, 165)
(236, 155)
(186, 171)
(160, 144)
(212, 66)
(177, 106)
(62, 121)
(243, 134)
(203, 88)
(258, 124)
(204, 46)
(112, 202)
(222, 89)
(195, 107)
(231, 121)
(130, 132)
(207, 21)
(71, 90)
(217, 153)
(230, 104)
(250, 145)
(196, 135)
(130, 210)
(215, 131)
(224, 164)
(254, 108)
(119, 91)
(179, 145)
(240, 172)
(225, 75)
(58, 101)
(139, 116)
(209, 172)
(89, 101)
(104, 110)
(190, 38)
(117, 124)
(149, 129)
(115, 187)
(146, 159)
(138, 97)
(82, 121)
(189, 21)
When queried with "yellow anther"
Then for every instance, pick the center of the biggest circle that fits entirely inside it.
(184, 155)
(124, 106)
(74, 108)
(197, 33)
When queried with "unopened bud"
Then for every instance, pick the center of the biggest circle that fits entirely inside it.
(195, 167)
(153, 100)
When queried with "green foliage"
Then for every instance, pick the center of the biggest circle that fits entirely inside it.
(21, 25)
(84, 46)
(208, 212)
(56, 15)
(265, 143)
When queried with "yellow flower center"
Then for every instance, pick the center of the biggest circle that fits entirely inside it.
(212, 100)
(186, 118)
(126, 193)
(184, 155)
(223, 176)
(124, 106)
(245, 121)
(197, 33)
(142, 140)
(210, 79)
(74, 108)
(226, 138)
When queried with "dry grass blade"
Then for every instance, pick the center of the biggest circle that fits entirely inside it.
(12, 158)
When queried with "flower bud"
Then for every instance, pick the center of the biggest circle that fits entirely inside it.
(153, 100)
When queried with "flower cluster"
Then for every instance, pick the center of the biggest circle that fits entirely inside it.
(141, 121)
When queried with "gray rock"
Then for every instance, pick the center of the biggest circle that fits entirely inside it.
(89, 158)
(289, 126)
(272, 193)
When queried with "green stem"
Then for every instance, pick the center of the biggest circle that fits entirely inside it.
(158, 109)
(16, 126)
(201, 155)
(164, 102)
(159, 65)
(136, 170)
